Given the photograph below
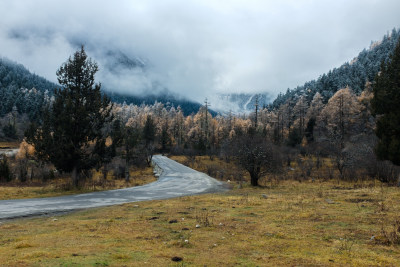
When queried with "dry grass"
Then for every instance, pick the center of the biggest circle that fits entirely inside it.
(287, 224)
(284, 223)
(62, 186)
(9, 145)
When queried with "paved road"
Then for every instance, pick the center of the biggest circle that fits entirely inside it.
(8, 151)
(175, 180)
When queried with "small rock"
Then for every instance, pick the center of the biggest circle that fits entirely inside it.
(264, 196)
(54, 220)
(329, 201)
(197, 225)
(229, 181)
(186, 241)
(215, 245)
(136, 206)
(75, 254)
(185, 229)
(183, 219)
(233, 207)
(153, 218)
(221, 224)
(372, 238)
(176, 258)
(173, 221)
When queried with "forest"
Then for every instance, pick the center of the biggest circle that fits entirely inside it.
(344, 126)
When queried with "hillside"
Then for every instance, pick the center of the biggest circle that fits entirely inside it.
(28, 92)
(355, 74)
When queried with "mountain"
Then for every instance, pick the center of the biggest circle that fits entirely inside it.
(167, 98)
(22, 90)
(238, 103)
(355, 74)
(28, 92)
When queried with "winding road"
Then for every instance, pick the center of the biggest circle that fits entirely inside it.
(175, 180)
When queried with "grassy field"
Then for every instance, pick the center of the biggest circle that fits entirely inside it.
(285, 224)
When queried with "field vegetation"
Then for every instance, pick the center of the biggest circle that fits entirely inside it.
(306, 222)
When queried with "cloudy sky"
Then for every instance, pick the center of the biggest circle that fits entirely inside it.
(196, 48)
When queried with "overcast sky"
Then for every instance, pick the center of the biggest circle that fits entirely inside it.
(197, 48)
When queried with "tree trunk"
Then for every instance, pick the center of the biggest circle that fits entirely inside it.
(254, 178)
(127, 174)
(105, 172)
(398, 181)
(75, 177)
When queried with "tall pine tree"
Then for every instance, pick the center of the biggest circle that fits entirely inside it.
(386, 106)
(71, 135)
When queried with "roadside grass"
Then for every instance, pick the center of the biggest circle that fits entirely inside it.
(6, 145)
(62, 186)
(287, 223)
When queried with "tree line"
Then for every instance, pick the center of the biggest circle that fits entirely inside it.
(81, 129)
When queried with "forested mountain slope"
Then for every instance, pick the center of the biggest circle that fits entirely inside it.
(354, 74)
(27, 92)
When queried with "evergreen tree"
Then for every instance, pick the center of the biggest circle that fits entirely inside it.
(71, 134)
(5, 172)
(386, 104)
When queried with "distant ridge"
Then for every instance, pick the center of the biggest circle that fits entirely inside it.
(17, 82)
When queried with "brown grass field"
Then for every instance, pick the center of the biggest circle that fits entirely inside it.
(284, 223)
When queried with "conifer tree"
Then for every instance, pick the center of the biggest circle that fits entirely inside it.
(386, 107)
(71, 134)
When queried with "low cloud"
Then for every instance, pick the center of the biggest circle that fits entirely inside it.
(194, 48)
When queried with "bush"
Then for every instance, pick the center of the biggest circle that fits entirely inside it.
(385, 171)
(5, 173)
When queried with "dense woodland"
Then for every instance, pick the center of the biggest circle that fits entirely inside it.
(338, 122)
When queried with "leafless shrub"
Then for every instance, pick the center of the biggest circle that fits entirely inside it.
(212, 170)
(389, 236)
(384, 171)
(21, 169)
(190, 155)
(305, 166)
(203, 218)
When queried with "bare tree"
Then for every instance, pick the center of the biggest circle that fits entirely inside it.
(256, 156)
